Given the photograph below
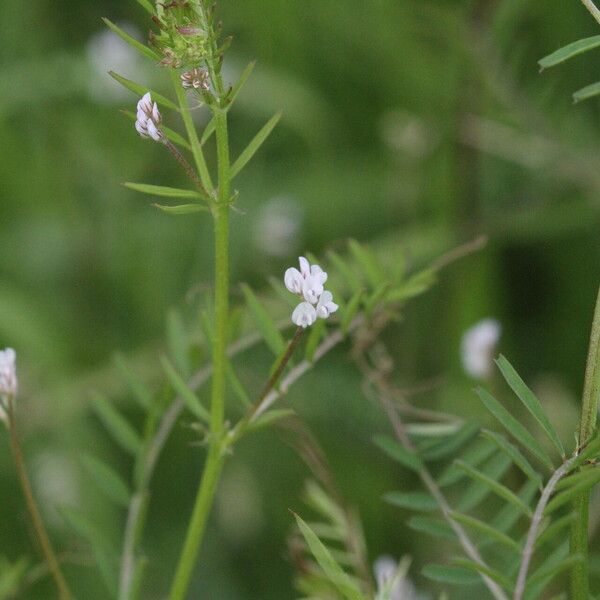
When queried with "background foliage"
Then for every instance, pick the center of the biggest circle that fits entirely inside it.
(416, 124)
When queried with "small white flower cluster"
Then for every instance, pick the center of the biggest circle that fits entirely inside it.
(308, 283)
(149, 119)
(197, 79)
(478, 347)
(8, 378)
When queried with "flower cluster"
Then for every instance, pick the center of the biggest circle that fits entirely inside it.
(196, 79)
(308, 283)
(149, 119)
(478, 347)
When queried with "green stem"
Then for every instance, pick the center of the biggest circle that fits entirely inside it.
(38, 525)
(216, 457)
(589, 411)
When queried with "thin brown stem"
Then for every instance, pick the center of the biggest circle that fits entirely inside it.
(36, 518)
(189, 171)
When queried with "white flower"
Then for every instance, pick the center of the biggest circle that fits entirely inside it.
(307, 282)
(196, 79)
(392, 582)
(304, 315)
(149, 119)
(478, 347)
(8, 372)
(326, 305)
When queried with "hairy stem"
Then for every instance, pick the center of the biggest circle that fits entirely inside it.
(36, 518)
(581, 504)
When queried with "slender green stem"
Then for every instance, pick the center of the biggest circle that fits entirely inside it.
(36, 518)
(589, 411)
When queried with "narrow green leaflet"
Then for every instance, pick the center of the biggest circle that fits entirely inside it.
(509, 515)
(140, 90)
(141, 48)
(474, 455)
(265, 324)
(178, 341)
(254, 145)
(181, 209)
(349, 276)
(141, 393)
(161, 190)
(529, 400)
(314, 339)
(332, 569)
(487, 530)
(434, 527)
(237, 386)
(350, 310)
(592, 478)
(237, 88)
(452, 443)
(569, 51)
(107, 479)
(415, 285)
(495, 486)
(514, 453)
(451, 575)
(396, 451)
(554, 529)
(412, 500)
(171, 134)
(184, 391)
(495, 468)
(120, 429)
(368, 263)
(146, 5)
(551, 571)
(513, 426)
(589, 91)
(500, 579)
(270, 418)
(103, 553)
(590, 452)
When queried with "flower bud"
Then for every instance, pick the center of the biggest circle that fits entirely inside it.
(195, 79)
(8, 372)
(149, 119)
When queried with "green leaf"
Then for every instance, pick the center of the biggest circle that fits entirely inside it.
(552, 570)
(172, 135)
(450, 575)
(146, 5)
(452, 443)
(315, 336)
(514, 454)
(181, 209)
(569, 51)
(141, 48)
(474, 455)
(397, 452)
(350, 310)
(434, 527)
(368, 262)
(498, 488)
(347, 274)
(338, 577)
(108, 480)
(415, 285)
(254, 145)
(554, 529)
(500, 579)
(121, 431)
(140, 90)
(184, 391)
(161, 190)
(412, 500)
(509, 515)
(140, 391)
(103, 553)
(590, 452)
(237, 88)
(265, 324)
(237, 386)
(269, 418)
(513, 426)
(591, 479)
(529, 400)
(487, 530)
(587, 92)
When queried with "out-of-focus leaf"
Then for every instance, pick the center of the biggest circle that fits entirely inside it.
(500, 579)
(487, 530)
(347, 274)
(269, 418)
(587, 481)
(412, 500)
(450, 575)
(120, 429)
(265, 323)
(396, 451)
(140, 392)
(587, 92)
(474, 455)
(569, 51)
(314, 339)
(554, 529)
(107, 479)
(141, 48)
(146, 5)
(239, 85)
(254, 145)
(368, 263)
(415, 285)
(435, 527)
(178, 341)
(454, 442)
(350, 310)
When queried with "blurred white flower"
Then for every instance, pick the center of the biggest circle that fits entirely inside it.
(478, 347)
(304, 315)
(108, 52)
(149, 119)
(8, 372)
(278, 226)
(392, 582)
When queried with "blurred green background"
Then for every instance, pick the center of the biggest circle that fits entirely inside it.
(414, 123)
